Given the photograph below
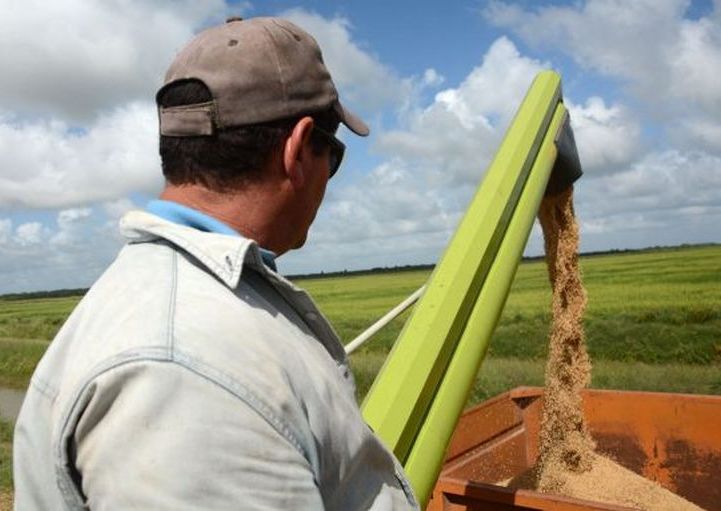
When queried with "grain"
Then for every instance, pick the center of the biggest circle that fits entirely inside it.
(567, 463)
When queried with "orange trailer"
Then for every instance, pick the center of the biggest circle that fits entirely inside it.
(673, 439)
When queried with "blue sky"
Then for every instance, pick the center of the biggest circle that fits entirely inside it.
(437, 82)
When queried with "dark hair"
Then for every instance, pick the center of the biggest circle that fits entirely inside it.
(229, 157)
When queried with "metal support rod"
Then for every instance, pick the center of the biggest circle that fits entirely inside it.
(389, 316)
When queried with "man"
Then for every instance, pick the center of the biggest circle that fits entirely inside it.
(192, 375)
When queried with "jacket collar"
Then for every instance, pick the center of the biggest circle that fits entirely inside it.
(223, 255)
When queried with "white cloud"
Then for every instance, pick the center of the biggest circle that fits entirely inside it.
(608, 138)
(667, 186)
(663, 190)
(29, 233)
(75, 137)
(450, 142)
(117, 208)
(69, 217)
(22, 236)
(694, 64)
(6, 228)
(73, 58)
(435, 160)
(392, 203)
(703, 132)
(669, 63)
(71, 223)
(608, 35)
(431, 78)
(69, 253)
(362, 79)
(115, 152)
(45, 165)
(407, 207)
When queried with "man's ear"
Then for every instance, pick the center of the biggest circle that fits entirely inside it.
(295, 151)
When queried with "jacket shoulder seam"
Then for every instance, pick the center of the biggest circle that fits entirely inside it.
(172, 299)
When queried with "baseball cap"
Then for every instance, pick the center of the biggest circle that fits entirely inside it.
(257, 70)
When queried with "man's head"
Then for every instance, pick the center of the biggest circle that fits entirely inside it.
(234, 102)
(228, 158)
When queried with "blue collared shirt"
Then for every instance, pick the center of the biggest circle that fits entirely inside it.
(183, 215)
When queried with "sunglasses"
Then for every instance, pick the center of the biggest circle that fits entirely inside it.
(337, 149)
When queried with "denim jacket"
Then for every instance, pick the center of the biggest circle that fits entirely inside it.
(191, 376)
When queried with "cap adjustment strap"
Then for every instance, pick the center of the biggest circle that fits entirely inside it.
(188, 120)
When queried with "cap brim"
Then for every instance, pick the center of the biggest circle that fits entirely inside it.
(352, 121)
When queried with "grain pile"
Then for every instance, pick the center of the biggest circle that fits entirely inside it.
(567, 462)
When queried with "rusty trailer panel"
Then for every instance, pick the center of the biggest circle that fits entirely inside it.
(673, 439)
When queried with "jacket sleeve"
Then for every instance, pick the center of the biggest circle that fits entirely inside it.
(155, 435)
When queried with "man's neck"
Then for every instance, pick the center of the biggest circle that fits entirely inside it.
(248, 211)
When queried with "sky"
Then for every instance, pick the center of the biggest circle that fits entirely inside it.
(437, 82)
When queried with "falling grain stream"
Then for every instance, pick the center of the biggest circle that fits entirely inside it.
(568, 463)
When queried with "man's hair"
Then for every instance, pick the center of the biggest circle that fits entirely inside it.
(229, 157)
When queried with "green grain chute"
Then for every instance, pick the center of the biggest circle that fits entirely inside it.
(418, 395)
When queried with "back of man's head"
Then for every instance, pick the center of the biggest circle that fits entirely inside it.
(233, 94)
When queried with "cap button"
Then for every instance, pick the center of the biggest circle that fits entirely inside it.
(233, 18)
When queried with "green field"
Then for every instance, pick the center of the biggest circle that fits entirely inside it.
(653, 322)
(659, 308)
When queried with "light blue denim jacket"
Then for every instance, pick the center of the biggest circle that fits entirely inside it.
(191, 376)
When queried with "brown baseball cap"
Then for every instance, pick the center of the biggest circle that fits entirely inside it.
(257, 70)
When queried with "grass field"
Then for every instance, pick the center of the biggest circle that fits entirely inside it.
(5, 463)
(653, 322)
(659, 308)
